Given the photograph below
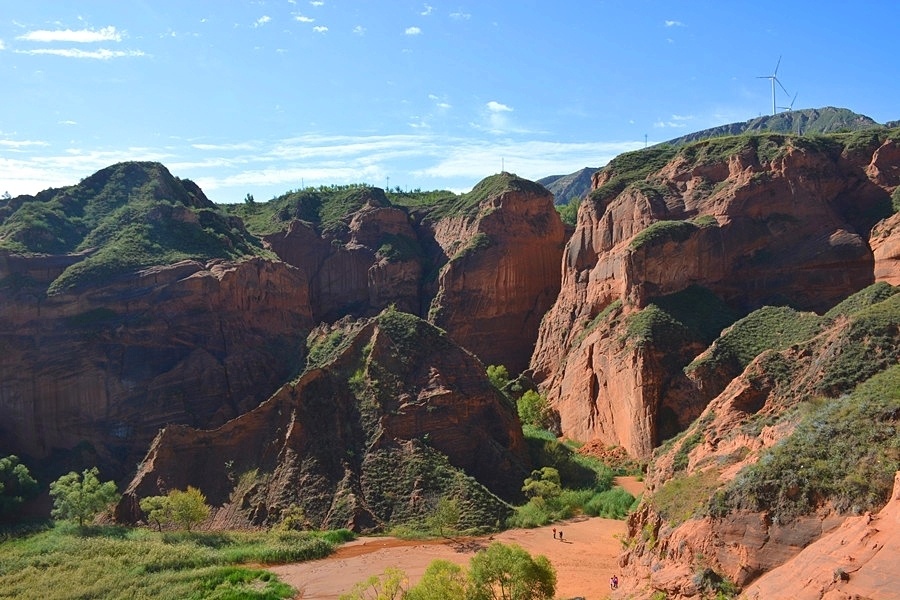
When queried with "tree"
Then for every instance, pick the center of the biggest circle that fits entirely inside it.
(498, 376)
(543, 484)
(81, 497)
(157, 509)
(534, 410)
(16, 484)
(188, 507)
(508, 572)
(442, 580)
(445, 515)
(389, 586)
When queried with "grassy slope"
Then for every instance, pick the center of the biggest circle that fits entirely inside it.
(108, 563)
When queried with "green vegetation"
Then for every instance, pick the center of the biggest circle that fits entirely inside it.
(183, 508)
(568, 213)
(468, 205)
(16, 485)
(771, 327)
(108, 562)
(534, 410)
(566, 484)
(663, 231)
(125, 217)
(685, 496)
(629, 167)
(81, 497)
(844, 451)
(499, 572)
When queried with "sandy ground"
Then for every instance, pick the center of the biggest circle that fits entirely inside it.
(584, 560)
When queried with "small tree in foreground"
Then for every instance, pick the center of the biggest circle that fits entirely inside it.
(188, 507)
(508, 572)
(442, 580)
(81, 497)
(183, 508)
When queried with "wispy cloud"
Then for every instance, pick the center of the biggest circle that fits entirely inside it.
(303, 18)
(674, 24)
(81, 36)
(320, 29)
(2, 45)
(460, 16)
(413, 31)
(427, 9)
(101, 54)
(359, 30)
(317, 3)
(497, 107)
(21, 143)
(262, 21)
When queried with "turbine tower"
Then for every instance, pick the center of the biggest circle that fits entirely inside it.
(774, 79)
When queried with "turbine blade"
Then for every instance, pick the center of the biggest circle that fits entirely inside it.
(782, 87)
(776, 67)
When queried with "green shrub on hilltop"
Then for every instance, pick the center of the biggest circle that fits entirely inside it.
(844, 451)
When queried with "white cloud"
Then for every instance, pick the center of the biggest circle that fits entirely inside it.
(674, 24)
(262, 21)
(359, 30)
(460, 16)
(220, 147)
(67, 122)
(16, 144)
(497, 107)
(426, 10)
(101, 54)
(413, 31)
(317, 3)
(320, 29)
(303, 18)
(2, 45)
(81, 36)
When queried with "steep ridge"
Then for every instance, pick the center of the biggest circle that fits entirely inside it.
(801, 439)
(357, 441)
(735, 223)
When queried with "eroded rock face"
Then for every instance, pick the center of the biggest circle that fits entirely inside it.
(188, 343)
(792, 229)
(856, 560)
(494, 268)
(502, 274)
(346, 452)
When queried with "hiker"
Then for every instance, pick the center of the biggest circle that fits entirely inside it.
(554, 533)
(560, 535)
(614, 582)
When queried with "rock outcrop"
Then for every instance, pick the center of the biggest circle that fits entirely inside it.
(755, 221)
(189, 343)
(356, 441)
(856, 560)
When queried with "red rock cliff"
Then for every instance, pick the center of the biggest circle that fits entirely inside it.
(754, 226)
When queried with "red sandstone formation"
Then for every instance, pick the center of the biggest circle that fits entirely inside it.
(754, 231)
(109, 365)
(344, 452)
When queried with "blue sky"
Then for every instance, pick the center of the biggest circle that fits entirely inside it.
(263, 97)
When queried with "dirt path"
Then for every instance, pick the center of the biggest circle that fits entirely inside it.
(584, 560)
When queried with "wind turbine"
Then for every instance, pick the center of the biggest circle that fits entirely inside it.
(774, 79)
(790, 107)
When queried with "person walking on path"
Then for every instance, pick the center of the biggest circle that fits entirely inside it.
(554, 533)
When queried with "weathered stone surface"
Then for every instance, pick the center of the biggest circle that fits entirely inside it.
(187, 343)
(856, 560)
(793, 230)
(501, 276)
(322, 443)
